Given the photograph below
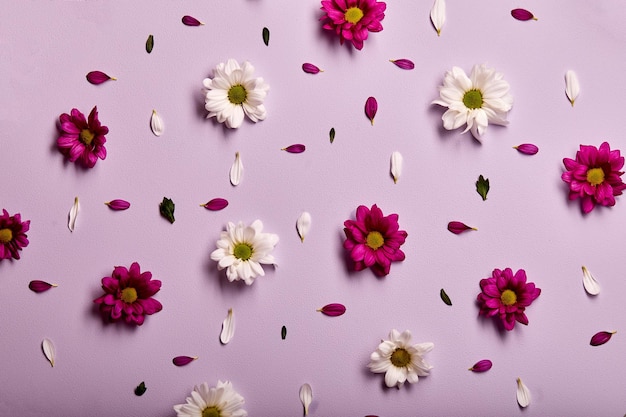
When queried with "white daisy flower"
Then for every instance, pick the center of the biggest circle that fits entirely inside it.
(219, 401)
(232, 92)
(242, 249)
(399, 360)
(481, 99)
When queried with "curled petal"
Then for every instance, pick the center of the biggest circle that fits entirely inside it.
(118, 204)
(71, 223)
(297, 148)
(303, 225)
(396, 166)
(601, 338)
(228, 328)
(438, 15)
(589, 282)
(527, 148)
(191, 21)
(306, 396)
(40, 286)
(523, 394)
(183, 360)
(215, 204)
(459, 227)
(98, 77)
(371, 107)
(156, 123)
(522, 14)
(236, 170)
(405, 64)
(572, 86)
(333, 309)
(311, 68)
(481, 366)
(48, 350)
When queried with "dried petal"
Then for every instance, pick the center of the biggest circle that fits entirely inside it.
(405, 64)
(183, 360)
(40, 286)
(71, 223)
(48, 350)
(601, 338)
(333, 309)
(482, 186)
(141, 389)
(215, 204)
(522, 14)
(149, 44)
(266, 36)
(156, 123)
(572, 86)
(523, 395)
(228, 328)
(118, 204)
(297, 148)
(396, 166)
(444, 297)
(98, 77)
(589, 282)
(303, 225)
(331, 134)
(527, 148)
(166, 208)
(371, 107)
(236, 170)
(283, 333)
(191, 21)
(481, 366)
(311, 68)
(458, 227)
(306, 396)
(438, 15)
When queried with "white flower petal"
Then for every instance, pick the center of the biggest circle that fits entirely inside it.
(71, 223)
(589, 282)
(396, 166)
(156, 123)
(48, 350)
(236, 170)
(303, 225)
(438, 15)
(523, 394)
(572, 87)
(306, 396)
(228, 328)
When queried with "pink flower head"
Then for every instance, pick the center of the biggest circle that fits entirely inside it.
(128, 295)
(507, 296)
(12, 235)
(352, 19)
(594, 176)
(82, 139)
(374, 240)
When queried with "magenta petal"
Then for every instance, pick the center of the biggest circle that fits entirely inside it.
(98, 77)
(191, 21)
(481, 366)
(118, 204)
(458, 227)
(215, 204)
(601, 338)
(297, 148)
(522, 14)
(527, 148)
(333, 309)
(310, 68)
(40, 286)
(183, 360)
(405, 64)
(371, 107)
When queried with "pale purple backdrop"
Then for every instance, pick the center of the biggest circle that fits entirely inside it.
(47, 48)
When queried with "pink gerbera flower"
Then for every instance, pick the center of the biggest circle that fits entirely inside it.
(506, 295)
(128, 295)
(374, 240)
(594, 176)
(81, 139)
(12, 235)
(352, 19)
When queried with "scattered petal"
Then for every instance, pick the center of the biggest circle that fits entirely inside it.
(71, 224)
(311, 68)
(236, 170)
(166, 208)
(481, 366)
(405, 64)
(297, 148)
(331, 134)
(371, 107)
(191, 21)
(527, 148)
(98, 77)
(156, 123)
(48, 350)
(149, 44)
(283, 333)
(306, 396)
(183, 360)
(589, 282)
(303, 225)
(333, 309)
(458, 227)
(444, 297)
(228, 328)
(118, 205)
(522, 14)
(396, 166)
(438, 15)
(523, 395)
(141, 389)
(482, 186)
(572, 86)
(601, 338)
(40, 286)
(215, 204)
(266, 36)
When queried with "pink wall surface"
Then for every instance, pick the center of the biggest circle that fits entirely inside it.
(47, 48)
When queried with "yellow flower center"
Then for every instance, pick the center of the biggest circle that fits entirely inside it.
(473, 99)
(129, 295)
(6, 235)
(508, 297)
(375, 240)
(86, 136)
(595, 176)
(237, 94)
(211, 412)
(400, 358)
(353, 15)
(243, 251)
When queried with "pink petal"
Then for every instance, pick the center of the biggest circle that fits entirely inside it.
(191, 21)
(481, 366)
(215, 204)
(40, 286)
(333, 309)
(183, 360)
(310, 68)
(118, 205)
(601, 338)
(527, 148)
(458, 227)
(298, 148)
(371, 107)
(405, 64)
(522, 14)
(98, 77)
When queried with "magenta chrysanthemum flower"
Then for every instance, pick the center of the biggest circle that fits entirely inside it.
(351, 20)
(506, 295)
(12, 235)
(128, 295)
(374, 240)
(594, 176)
(82, 139)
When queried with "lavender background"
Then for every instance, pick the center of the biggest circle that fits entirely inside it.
(47, 47)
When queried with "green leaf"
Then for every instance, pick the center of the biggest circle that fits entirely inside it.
(444, 297)
(266, 36)
(332, 134)
(150, 44)
(482, 187)
(283, 333)
(167, 209)
(141, 389)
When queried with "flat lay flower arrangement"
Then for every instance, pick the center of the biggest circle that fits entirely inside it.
(398, 257)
